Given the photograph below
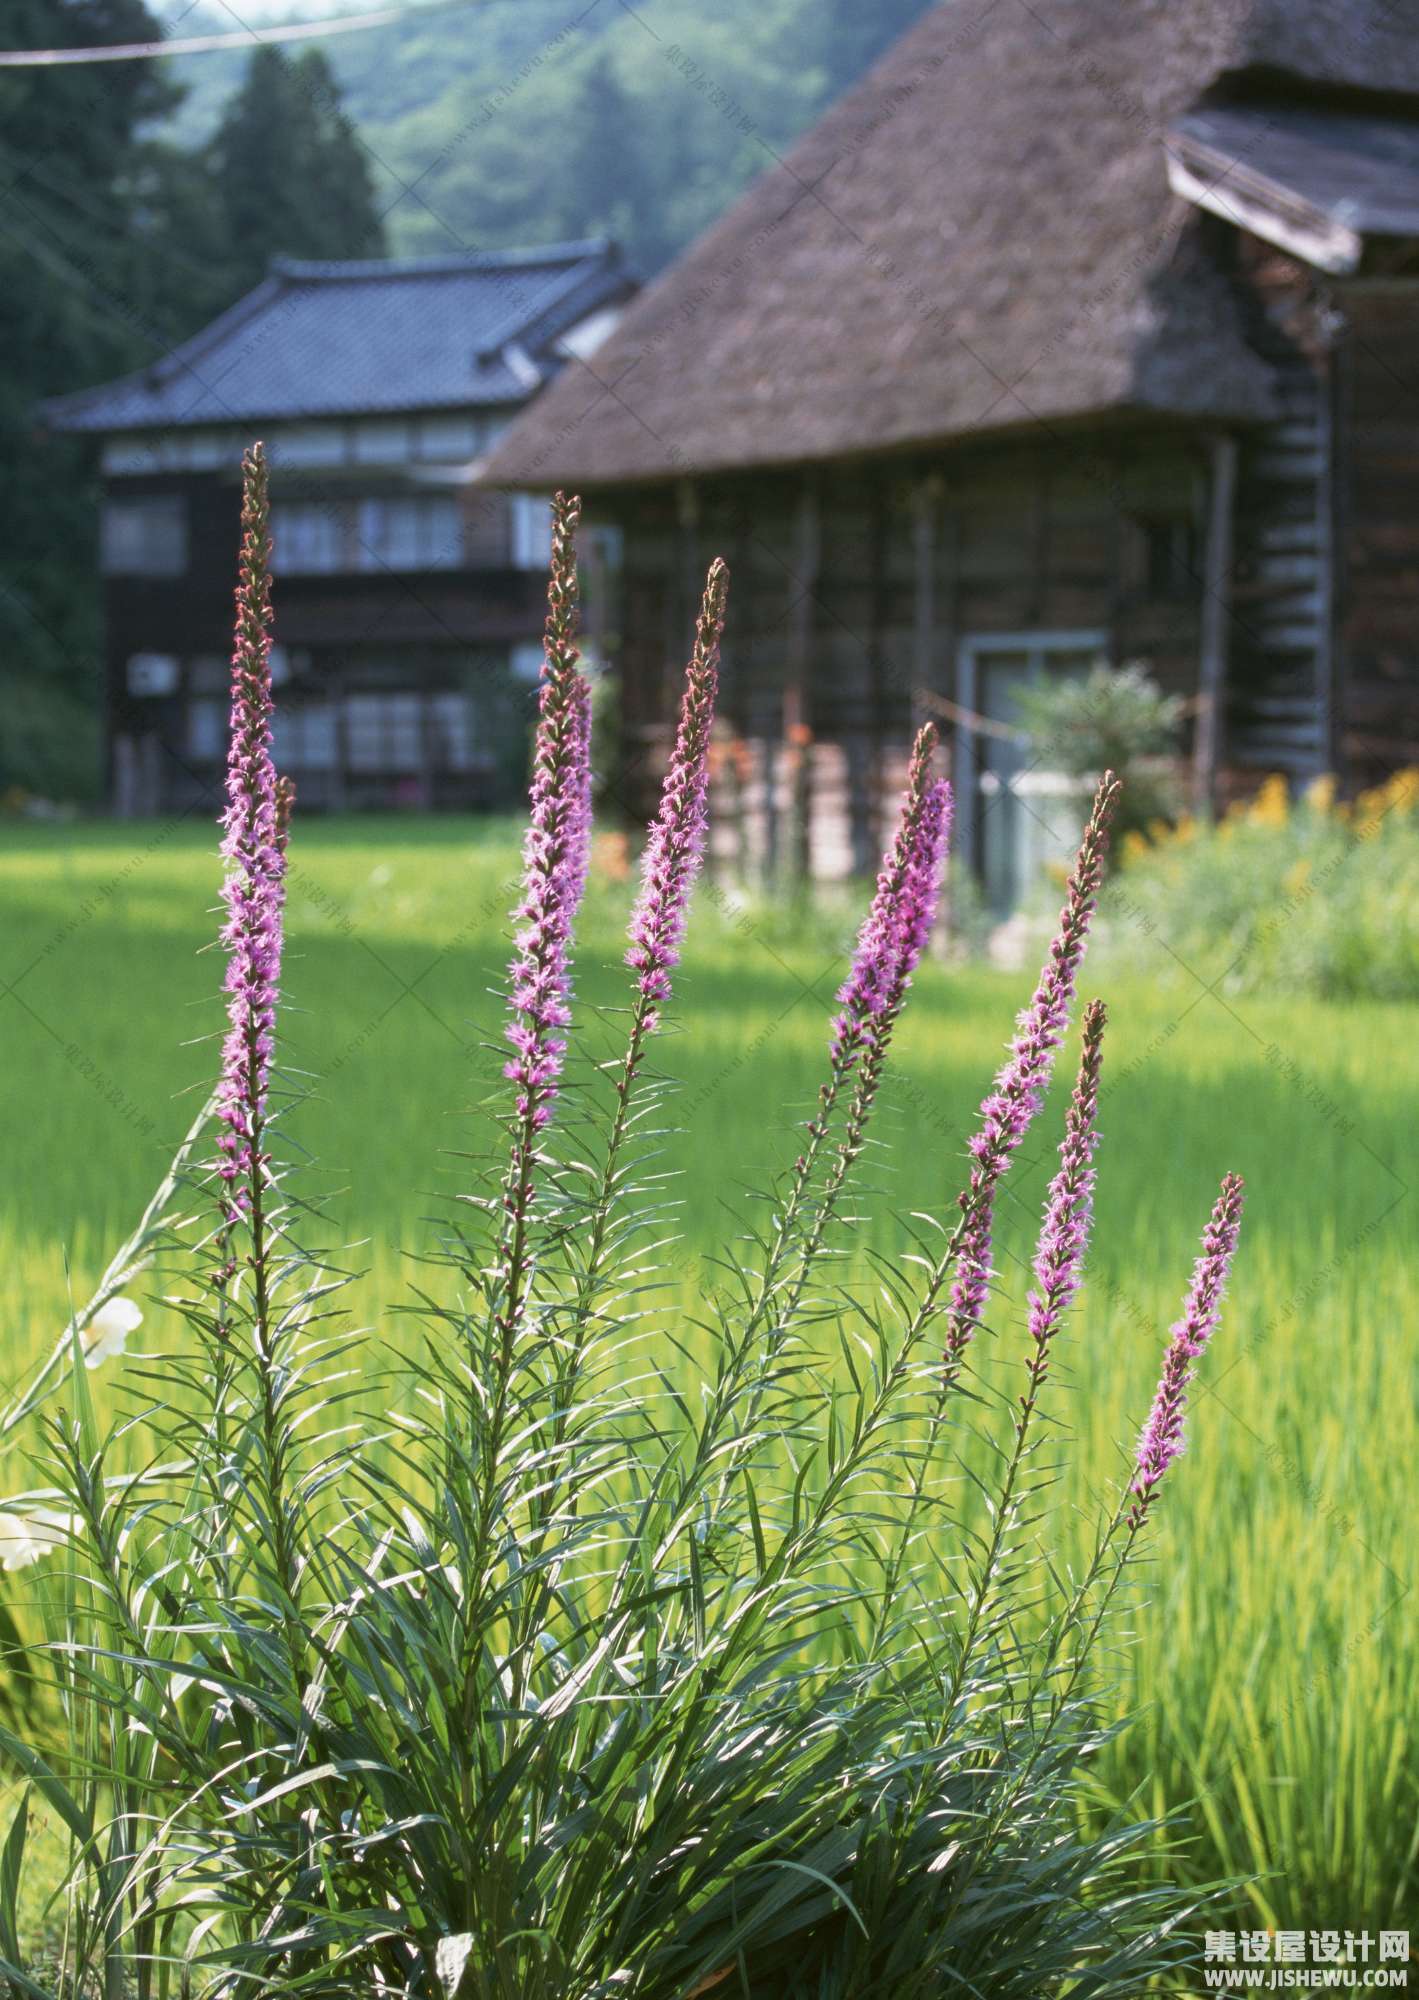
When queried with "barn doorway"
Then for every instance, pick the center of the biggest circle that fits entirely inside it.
(1015, 815)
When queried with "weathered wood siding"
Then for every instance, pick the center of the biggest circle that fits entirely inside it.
(1378, 703)
(1052, 534)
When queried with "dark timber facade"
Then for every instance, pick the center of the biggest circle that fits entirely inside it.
(409, 600)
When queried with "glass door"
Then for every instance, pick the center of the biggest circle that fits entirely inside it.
(1016, 813)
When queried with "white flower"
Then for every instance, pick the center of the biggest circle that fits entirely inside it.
(107, 1332)
(24, 1538)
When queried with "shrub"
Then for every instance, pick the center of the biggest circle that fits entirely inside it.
(589, 1673)
(50, 754)
(1113, 718)
(1318, 896)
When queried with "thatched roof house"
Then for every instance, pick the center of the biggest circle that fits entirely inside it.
(1073, 322)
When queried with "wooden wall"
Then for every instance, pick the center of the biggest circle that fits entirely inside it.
(854, 584)
(437, 627)
(1378, 393)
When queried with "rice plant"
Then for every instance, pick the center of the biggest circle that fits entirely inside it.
(590, 1676)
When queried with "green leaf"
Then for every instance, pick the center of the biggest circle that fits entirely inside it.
(11, 1865)
(50, 1787)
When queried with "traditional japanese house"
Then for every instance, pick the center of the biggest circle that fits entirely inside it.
(1078, 330)
(409, 601)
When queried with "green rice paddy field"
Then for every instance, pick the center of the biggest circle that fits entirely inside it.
(1271, 1673)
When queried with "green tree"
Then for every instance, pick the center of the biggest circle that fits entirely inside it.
(604, 180)
(516, 128)
(76, 304)
(852, 37)
(289, 173)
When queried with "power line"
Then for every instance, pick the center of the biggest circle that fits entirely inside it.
(197, 45)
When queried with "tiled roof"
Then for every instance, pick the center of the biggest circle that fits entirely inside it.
(337, 339)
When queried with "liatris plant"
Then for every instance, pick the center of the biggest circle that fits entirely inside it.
(556, 851)
(254, 889)
(676, 844)
(1162, 1439)
(586, 1669)
(1008, 1112)
(894, 934)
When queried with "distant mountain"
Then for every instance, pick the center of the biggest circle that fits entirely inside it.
(515, 121)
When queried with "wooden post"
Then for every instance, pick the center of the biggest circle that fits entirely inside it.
(926, 532)
(1216, 622)
(684, 602)
(879, 530)
(1332, 429)
(334, 680)
(947, 636)
(797, 704)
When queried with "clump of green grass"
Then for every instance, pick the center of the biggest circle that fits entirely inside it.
(1316, 895)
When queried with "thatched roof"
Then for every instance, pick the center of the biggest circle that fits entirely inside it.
(981, 235)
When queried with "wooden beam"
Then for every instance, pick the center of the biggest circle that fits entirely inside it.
(1216, 621)
(1334, 425)
(797, 693)
(926, 536)
(878, 540)
(1299, 227)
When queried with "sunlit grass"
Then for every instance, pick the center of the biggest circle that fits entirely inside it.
(1269, 1674)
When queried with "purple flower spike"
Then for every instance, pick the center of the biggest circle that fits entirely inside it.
(1059, 1256)
(1020, 1087)
(1163, 1437)
(253, 847)
(579, 819)
(676, 844)
(898, 925)
(557, 848)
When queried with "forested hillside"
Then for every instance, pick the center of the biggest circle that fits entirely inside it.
(521, 120)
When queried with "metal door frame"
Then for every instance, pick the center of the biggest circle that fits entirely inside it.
(1037, 647)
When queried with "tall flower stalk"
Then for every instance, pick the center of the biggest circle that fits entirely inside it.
(254, 886)
(898, 924)
(674, 853)
(1160, 1443)
(676, 845)
(256, 829)
(1163, 1435)
(1007, 1113)
(896, 932)
(556, 854)
(1058, 1270)
(893, 936)
(1069, 1209)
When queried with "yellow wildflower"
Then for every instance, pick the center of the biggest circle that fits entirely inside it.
(1272, 804)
